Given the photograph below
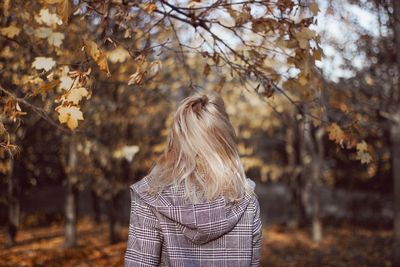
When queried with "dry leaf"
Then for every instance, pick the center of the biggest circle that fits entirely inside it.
(98, 55)
(10, 31)
(118, 55)
(45, 63)
(69, 115)
(46, 87)
(336, 133)
(149, 8)
(76, 94)
(45, 17)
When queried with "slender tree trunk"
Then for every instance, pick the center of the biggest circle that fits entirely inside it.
(316, 174)
(395, 141)
(13, 204)
(114, 224)
(313, 158)
(71, 196)
(395, 138)
(96, 207)
(295, 178)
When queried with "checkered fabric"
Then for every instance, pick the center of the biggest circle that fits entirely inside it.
(166, 231)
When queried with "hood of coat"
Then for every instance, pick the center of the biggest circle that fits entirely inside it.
(201, 222)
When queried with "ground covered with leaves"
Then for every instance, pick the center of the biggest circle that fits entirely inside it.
(342, 246)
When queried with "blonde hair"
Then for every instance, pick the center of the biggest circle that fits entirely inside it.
(201, 153)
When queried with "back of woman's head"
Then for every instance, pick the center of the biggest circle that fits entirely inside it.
(201, 154)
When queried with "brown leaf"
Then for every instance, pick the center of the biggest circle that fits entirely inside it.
(47, 87)
(98, 56)
(206, 70)
(149, 8)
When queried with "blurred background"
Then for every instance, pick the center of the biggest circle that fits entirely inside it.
(88, 89)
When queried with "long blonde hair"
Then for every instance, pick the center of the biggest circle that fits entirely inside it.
(201, 154)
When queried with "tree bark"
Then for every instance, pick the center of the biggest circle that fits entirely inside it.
(96, 207)
(114, 225)
(395, 141)
(71, 201)
(313, 159)
(395, 138)
(295, 179)
(13, 204)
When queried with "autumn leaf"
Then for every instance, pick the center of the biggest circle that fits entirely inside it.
(53, 38)
(118, 55)
(66, 82)
(362, 153)
(76, 94)
(10, 31)
(69, 115)
(336, 133)
(149, 8)
(45, 63)
(46, 87)
(137, 77)
(47, 18)
(155, 66)
(304, 36)
(98, 55)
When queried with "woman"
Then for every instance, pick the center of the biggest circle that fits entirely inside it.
(196, 207)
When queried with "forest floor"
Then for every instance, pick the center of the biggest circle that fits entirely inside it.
(282, 247)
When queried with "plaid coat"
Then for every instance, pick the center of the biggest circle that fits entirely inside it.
(164, 231)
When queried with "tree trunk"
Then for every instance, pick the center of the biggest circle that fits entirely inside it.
(13, 204)
(114, 224)
(316, 174)
(295, 179)
(71, 196)
(395, 137)
(395, 141)
(96, 207)
(312, 160)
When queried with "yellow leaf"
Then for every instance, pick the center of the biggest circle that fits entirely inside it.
(336, 133)
(76, 94)
(66, 82)
(118, 55)
(314, 8)
(364, 157)
(53, 38)
(362, 146)
(98, 55)
(69, 115)
(45, 17)
(10, 31)
(46, 63)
